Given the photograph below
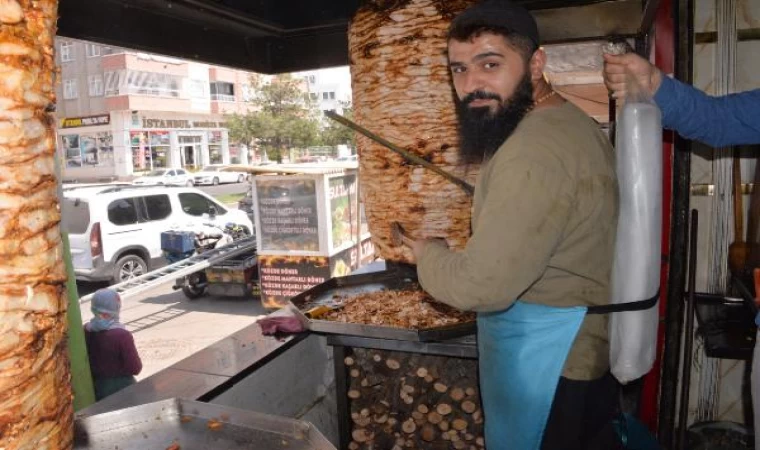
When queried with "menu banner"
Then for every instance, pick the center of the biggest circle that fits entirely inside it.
(284, 277)
(288, 215)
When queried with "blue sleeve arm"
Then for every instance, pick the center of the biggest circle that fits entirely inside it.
(717, 121)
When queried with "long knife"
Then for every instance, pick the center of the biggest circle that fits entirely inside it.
(466, 187)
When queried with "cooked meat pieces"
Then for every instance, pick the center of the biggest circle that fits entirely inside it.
(410, 309)
(35, 393)
(401, 91)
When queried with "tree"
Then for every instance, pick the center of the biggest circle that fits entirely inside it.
(334, 133)
(282, 117)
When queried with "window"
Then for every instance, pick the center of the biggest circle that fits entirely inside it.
(106, 51)
(122, 212)
(92, 50)
(312, 79)
(95, 83)
(125, 82)
(222, 91)
(67, 51)
(198, 205)
(113, 83)
(70, 89)
(314, 96)
(157, 207)
(181, 172)
(324, 95)
(75, 216)
(332, 95)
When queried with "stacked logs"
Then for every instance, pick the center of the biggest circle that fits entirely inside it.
(403, 401)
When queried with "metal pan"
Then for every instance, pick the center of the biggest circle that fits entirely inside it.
(330, 292)
(194, 425)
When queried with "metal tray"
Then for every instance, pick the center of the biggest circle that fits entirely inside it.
(157, 426)
(352, 285)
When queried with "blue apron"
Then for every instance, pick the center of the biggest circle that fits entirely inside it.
(522, 353)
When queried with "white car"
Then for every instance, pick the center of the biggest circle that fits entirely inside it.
(215, 174)
(165, 177)
(115, 231)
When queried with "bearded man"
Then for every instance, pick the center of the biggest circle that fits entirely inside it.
(543, 233)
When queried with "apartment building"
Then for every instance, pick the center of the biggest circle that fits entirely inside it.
(121, 113)
(328, 89)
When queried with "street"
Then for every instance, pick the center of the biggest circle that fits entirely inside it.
(225, 189)
(168, 327)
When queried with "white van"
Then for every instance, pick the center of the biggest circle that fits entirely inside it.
(115, 231)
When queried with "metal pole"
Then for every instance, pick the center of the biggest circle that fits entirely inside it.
(684, 14)
(688, 341)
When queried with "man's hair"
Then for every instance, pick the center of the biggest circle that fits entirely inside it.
(522, 44)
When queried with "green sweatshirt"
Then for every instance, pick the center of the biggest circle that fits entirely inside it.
(543, 230)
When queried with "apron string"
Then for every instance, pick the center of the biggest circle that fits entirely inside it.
(639, 305)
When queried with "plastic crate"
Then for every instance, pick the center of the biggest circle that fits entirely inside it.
(179, 242)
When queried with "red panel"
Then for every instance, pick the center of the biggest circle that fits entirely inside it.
(664, 52)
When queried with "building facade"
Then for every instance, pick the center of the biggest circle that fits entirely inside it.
(122, 113)
(328, 89)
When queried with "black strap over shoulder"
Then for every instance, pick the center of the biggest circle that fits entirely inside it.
(622, 307)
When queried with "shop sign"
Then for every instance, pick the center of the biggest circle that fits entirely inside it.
(182, 123)
(87, 121)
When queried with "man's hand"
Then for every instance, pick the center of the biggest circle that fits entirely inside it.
(616, 67)
(417, 246)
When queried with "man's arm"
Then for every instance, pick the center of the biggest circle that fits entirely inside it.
(717, 121)
(528, 202)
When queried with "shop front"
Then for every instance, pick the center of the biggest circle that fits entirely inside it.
(124, 144)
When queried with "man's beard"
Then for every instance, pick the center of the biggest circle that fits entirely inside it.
(482, 132)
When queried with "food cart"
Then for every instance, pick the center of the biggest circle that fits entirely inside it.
(309, 228)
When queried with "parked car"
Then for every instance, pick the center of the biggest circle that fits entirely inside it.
(115, 231)
(215, 174)
(349, 158)
(165, 177)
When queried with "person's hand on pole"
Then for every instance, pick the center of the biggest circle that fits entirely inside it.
(618, 67)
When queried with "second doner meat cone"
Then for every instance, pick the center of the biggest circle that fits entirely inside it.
(402, 91)
(35, 395)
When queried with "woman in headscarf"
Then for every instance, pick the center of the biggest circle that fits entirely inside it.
(113, 356)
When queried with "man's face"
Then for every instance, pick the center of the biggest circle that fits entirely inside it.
(485, 64)
(493, 84)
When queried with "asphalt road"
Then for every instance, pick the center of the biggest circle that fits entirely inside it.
(167, 327)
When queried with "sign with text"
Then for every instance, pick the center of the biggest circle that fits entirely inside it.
(181, 123)
(343, 214)
(345, 262)
(283, 277)
(288, 215)
(87, 121)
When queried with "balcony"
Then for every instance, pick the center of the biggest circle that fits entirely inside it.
(222, 97)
